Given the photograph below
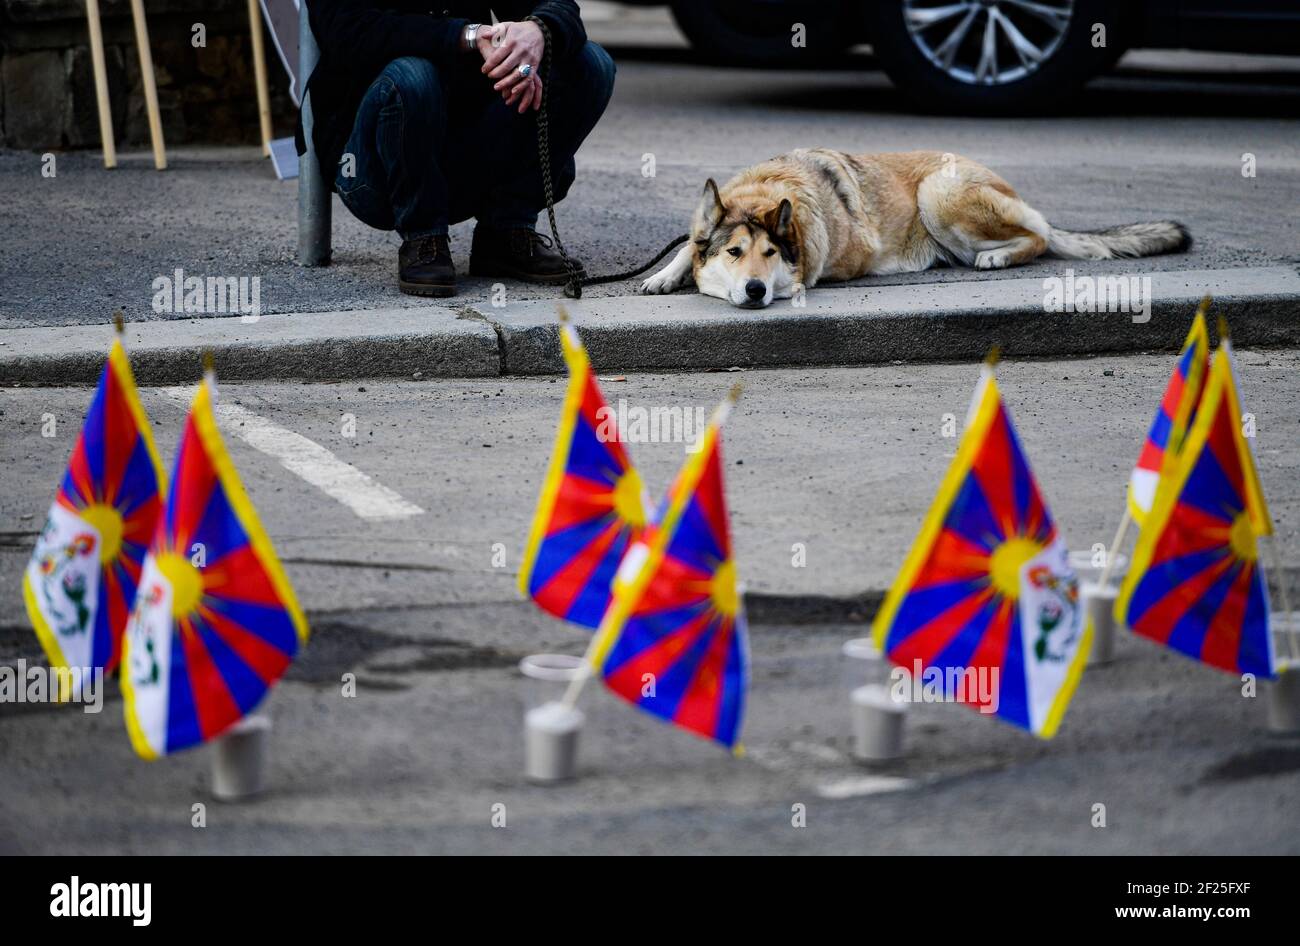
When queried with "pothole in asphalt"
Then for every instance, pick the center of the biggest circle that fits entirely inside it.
(1274, 760)
(336, 648)
(433, 655)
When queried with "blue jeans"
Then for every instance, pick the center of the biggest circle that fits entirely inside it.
(434, 145)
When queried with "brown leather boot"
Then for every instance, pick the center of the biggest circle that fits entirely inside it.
(424, 267)
(518, 253)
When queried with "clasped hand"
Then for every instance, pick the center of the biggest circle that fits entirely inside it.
(507, 46)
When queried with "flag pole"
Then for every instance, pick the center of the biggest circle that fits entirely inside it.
(586, 669)
(574, 689)
(1113, 551)
(101, 83)
(150, 88)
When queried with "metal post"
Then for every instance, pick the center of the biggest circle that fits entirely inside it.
(313, 186)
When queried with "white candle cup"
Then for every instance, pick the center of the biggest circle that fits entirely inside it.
(863, 663)
(239, 759)
(1099, 608)
(551, 742)
(1284, 692)
(877, 724)
(547, 677)
(551, 727)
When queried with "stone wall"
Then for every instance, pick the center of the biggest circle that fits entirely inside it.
(205, 94)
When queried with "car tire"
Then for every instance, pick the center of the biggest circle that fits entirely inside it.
(761, 32)
(1068, 54)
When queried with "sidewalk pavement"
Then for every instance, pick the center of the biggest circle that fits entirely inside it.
(87, 241)
(924, 322)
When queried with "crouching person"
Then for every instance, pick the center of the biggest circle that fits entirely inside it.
(425, 118)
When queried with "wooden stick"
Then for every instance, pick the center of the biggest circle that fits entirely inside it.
(259, 75)
(150, 89)
(101, 83)
(1111, 552)
(1285, 595)
(585, 670)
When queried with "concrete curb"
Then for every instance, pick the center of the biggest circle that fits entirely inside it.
(379, 343)
(948, 321)
(928, 322)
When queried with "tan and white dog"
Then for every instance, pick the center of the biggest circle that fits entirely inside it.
(817, 214)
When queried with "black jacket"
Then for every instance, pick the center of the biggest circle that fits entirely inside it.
(357, 38)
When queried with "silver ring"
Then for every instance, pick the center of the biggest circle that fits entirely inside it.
(525, 70)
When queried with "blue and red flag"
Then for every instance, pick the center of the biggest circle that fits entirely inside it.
(80, 584)
(674, 640)
(216, 622)
(986, 605)
(1174, 416)
(1196, 584)
(592, 505)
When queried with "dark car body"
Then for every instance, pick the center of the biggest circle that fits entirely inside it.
(1039, 49)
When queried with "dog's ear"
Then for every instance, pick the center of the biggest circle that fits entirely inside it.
(778, 221)
(710, 211)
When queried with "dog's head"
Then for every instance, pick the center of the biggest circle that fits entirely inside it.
(744, 253)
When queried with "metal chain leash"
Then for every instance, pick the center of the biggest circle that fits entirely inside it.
(573, 288)
(577, 278)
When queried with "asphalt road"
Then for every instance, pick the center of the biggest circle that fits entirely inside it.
(419, 759)
(1164, 137)
(843, 460)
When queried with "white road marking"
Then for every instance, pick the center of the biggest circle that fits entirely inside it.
(863, 785)
(816, 762)
(795, 757)
(817, 752)
(308, 460)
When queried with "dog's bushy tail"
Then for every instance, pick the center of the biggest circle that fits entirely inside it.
(1129, 240)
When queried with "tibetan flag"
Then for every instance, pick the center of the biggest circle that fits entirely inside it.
(1174, 416)
(216, 622)
(80, 584)
(986, 603)
(592, 506)
(1196, 584)
(674, 640)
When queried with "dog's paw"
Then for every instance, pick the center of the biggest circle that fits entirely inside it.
(992, 259)
(661, 282)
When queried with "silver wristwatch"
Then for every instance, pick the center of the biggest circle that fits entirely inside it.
(469, 40)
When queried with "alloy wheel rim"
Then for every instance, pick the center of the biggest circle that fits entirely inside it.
(988, 42)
